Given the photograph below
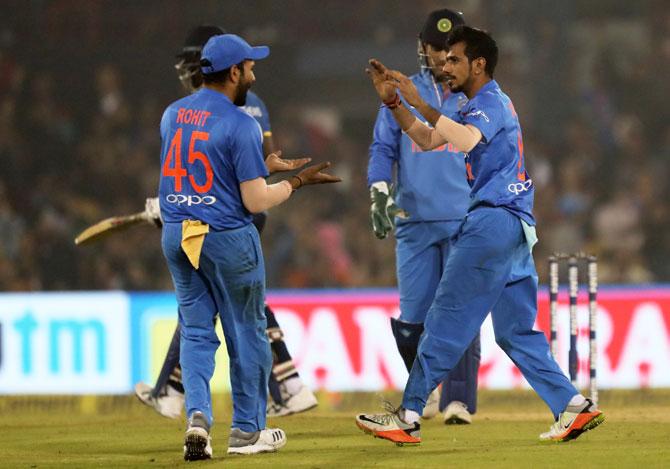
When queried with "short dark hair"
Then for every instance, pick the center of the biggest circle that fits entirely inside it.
(478, 43)
(221, 75)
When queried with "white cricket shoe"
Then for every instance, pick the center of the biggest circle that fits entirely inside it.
(573, 421)
(197, 442)
(301, 401)
(169, 404)
(268, 440)
(457, 413)
(432, 407)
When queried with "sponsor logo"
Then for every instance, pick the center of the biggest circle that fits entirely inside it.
(181, 199)
(633, 341)
(481, 114)
(65, 343)
(519, 187)
(60, 331)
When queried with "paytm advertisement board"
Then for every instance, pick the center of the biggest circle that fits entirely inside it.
(103, 343)
(60, 343)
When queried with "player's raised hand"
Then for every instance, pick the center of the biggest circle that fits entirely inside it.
(386, 88)
(405, 86)
(275, 163)
(313, 175)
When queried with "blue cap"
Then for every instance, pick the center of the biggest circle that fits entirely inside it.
(225, 50)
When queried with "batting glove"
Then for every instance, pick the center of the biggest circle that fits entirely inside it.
(383, 210)
(152, 209)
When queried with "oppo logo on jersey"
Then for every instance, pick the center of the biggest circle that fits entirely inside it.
(519, 187)
(189, 200)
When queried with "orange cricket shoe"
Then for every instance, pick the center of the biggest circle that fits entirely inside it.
(574, 421)
(390, 426)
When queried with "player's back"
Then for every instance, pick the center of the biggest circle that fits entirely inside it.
(209, 146)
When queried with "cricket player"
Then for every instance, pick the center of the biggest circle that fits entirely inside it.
(212, 179)
(288, 394)
(490, 266)
(434, 196)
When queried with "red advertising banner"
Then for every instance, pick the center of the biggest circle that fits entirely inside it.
(342, 340)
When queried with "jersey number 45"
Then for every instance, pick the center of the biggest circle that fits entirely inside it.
(178, 172)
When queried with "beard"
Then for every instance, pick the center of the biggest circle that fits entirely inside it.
(241, 93)
(460, 87)
(455, 88)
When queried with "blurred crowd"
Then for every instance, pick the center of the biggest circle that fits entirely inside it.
(83, 85)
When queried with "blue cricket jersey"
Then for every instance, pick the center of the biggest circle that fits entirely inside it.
(431, 185)
(496, 168)
(255, 107)
(209, 146)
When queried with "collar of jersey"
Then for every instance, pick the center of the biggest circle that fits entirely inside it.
(490, 86)
(214, 93)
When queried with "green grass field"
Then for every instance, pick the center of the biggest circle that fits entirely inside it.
(120, 432)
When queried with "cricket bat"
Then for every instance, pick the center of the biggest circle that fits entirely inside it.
(108, 226)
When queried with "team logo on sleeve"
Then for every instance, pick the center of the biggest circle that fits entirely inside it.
(517, 188)
(477, 113)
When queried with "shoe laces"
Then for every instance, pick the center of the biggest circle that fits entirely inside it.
(390, 415)
(390, 408)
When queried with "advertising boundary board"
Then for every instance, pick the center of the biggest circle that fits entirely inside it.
(104, 342)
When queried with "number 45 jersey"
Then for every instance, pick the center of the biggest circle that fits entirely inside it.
(208, 147)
